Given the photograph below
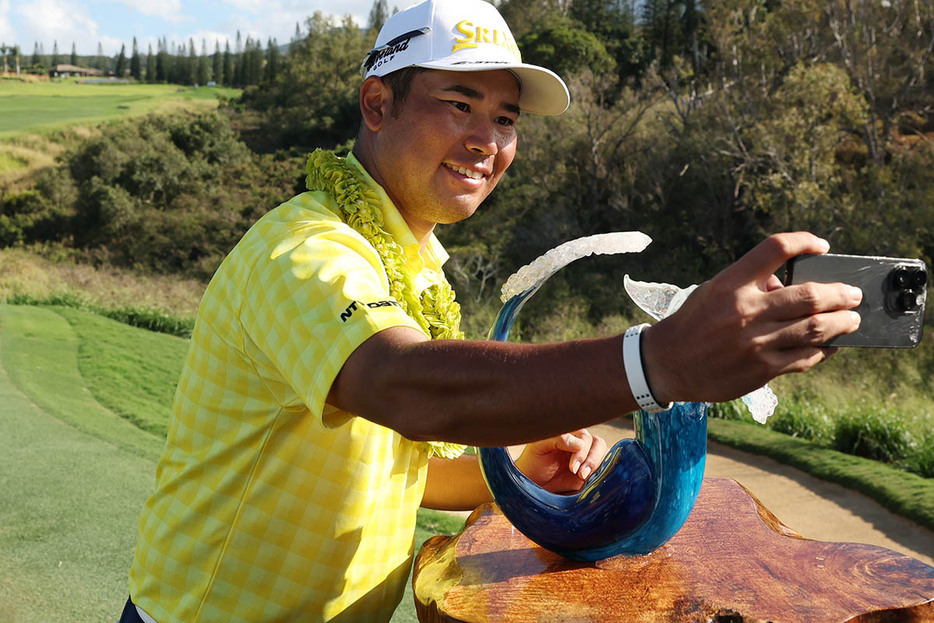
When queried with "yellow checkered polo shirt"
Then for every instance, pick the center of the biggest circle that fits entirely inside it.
(271, 505)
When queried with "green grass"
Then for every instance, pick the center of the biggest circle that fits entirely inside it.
(84, 401)
(72, 479)
(27, 107)
(40, 355)
(10, 162)
(131, 371)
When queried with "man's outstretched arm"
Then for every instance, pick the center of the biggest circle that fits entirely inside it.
(733, 334)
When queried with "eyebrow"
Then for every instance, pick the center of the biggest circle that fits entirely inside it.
(477, 95)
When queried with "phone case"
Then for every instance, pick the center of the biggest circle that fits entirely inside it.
(894, 295)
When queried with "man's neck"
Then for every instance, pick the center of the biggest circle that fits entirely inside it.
(421, 230)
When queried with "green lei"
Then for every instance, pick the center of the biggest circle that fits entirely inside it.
(435, 310)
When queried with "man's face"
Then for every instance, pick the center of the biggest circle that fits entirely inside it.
(448, 145)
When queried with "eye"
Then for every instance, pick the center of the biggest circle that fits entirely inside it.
(461, 106)
(506, 121)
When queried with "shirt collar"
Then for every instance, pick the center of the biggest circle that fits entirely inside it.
(434, 254)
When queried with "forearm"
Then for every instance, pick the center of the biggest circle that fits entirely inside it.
(455, 485)
(484, 392)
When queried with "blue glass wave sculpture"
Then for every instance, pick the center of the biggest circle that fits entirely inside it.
(636, 501)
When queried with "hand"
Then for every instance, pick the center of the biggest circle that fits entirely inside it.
(561, 464)
(742, 328)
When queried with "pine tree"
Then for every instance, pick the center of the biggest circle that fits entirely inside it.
(218, 65)
(238, 67)
(379, 13)
(204, 67)
(55, 59)
(272, 61)
(253, 62)
(136, 67)
(150, 66)
(100, 64)
(662, 28)
(120, 70)
(192, 76)
(36, 59)
(74, 54)
(162, 61)
(179, 73)
(228, 65)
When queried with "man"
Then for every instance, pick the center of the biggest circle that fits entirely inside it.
(324, 394)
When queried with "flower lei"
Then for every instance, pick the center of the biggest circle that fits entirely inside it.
(359, 206)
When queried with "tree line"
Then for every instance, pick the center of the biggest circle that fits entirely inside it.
(248, 63)
(706, 125)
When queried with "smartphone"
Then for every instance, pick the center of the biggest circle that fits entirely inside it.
(894, 294)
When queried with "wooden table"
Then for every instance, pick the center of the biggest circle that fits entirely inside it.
(732, 561)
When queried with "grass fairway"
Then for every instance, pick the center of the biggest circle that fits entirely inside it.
(68, 498)
(74, 473)
(30, 107)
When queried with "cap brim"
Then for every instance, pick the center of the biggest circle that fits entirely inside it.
(542, 91)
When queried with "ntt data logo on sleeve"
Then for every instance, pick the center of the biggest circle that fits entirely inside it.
(357, 305)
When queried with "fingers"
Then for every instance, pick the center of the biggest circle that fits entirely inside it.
(743, 328)
(806, 299)
(587, 451)
(759, 264)
(816, 329)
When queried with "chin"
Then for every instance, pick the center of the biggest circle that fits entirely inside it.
(456, 216)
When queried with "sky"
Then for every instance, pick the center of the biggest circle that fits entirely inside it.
(113, 23)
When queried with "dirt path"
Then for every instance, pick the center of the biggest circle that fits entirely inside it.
(814, 508)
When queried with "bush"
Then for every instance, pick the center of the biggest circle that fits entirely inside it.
(30, 217)
(921, 460)
(161, 194)
(873, 433)
(805, 420)
(144, 318)
(732, 410)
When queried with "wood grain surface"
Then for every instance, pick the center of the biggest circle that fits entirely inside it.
(732, 561)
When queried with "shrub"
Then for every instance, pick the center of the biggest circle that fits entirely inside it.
(801, 419)
(151, 319)
(921, 460)
(142, 317)
(873, 433)
(732, 410)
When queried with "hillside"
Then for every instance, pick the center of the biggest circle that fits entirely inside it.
(39, 120)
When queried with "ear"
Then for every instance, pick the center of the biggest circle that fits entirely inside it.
(375, 102)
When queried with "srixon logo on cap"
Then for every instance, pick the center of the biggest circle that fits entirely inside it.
(473, 36)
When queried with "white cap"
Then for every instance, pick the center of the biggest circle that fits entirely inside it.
(463, 35)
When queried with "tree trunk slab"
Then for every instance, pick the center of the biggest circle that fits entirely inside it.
(733, 560)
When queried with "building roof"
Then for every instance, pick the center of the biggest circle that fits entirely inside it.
(74, 69)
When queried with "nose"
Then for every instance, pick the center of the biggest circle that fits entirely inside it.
(483, 138)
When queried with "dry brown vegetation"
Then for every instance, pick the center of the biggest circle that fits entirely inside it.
(28, 273)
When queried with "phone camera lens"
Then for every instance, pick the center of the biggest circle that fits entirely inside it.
(919, 279)
(901, 278)
(908, 300)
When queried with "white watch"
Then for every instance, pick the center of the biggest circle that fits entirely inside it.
(632, 360)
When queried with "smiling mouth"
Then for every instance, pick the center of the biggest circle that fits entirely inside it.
(474, 175)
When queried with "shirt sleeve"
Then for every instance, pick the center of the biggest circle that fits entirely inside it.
(314, 297)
